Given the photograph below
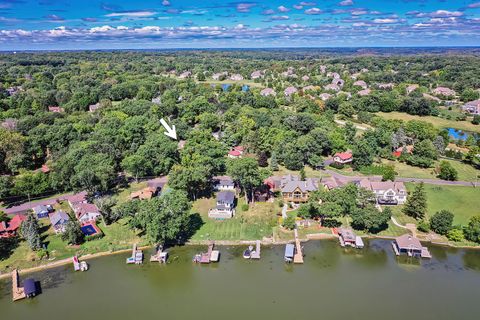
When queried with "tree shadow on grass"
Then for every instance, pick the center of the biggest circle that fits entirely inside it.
(7, 246)
(193, 224)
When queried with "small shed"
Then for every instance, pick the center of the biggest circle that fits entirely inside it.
(41, 211)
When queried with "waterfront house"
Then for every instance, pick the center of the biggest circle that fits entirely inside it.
(408, 244)
(472, 107)
(10, 228)
(343, 157)
(386, 192)
(223, 183)
(42, 211)
(268, 92)
(298, 191)
(59, 220)
(225, 208)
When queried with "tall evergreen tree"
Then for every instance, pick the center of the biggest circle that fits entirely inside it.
(274, 162)
(30, 231)
(416, 205)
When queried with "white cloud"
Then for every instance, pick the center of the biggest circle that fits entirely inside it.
(385, 21)
(283, 9)
(132, 14)
(346, 3)
(165, 3)
(313, 11)
(446, 13)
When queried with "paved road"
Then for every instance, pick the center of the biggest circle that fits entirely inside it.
(25, 207)
(378, 178)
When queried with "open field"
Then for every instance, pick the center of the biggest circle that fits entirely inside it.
(465, 172)
(253, 224)
(436, 121)
(464, 202)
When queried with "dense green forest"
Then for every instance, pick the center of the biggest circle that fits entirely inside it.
(122, 138)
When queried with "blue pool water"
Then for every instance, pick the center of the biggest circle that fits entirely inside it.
(88, 230)
(457, 134)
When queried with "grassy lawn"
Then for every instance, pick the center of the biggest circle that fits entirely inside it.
(465, 172)
(436, 121)
(253, 224)
(117, 236)
(462, 201)
(123, 195)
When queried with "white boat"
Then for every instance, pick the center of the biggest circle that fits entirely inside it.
(83, 266)
(247, 254)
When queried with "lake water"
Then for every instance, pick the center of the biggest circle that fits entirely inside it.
(334, 283)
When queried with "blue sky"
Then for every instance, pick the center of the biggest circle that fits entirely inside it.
(91, 24)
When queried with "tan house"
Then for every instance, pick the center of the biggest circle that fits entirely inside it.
(297, 191)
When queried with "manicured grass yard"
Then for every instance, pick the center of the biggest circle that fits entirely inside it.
(464, 202)
(117, 236)
(436, 121)
(253, 224)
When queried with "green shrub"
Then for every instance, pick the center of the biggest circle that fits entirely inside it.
(245, 207)
(423, 226)
(455, 234)
(94, 237)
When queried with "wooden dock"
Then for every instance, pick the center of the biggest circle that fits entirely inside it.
(206, 255)
(256, 254)
(298, 257)
(18, 293)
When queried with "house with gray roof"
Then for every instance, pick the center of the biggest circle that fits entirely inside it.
(42, 211)
(225, 208)
(298, 191)
(472, 107)
(59, 220)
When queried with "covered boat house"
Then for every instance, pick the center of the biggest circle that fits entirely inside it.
(411, 246)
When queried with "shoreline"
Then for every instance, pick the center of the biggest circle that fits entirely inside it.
(313, 236)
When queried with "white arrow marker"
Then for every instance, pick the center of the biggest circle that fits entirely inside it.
(171, 132)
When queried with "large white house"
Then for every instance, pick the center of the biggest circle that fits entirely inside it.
(386, 192)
